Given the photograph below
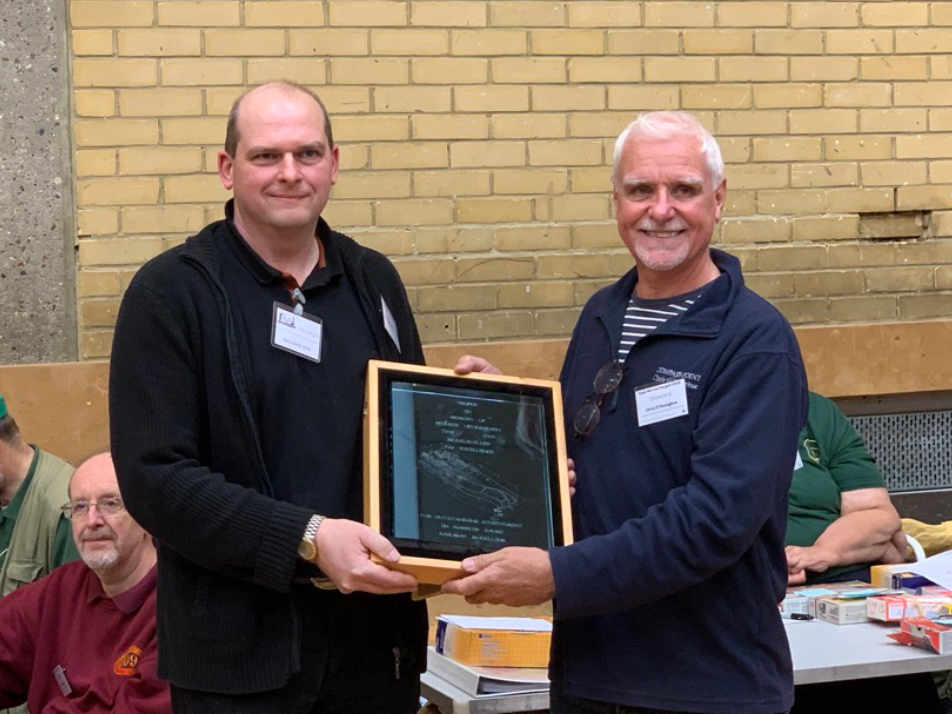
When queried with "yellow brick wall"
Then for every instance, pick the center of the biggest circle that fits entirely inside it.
(476, 138)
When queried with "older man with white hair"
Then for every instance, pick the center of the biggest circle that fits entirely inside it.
(684, 394)
(83, 638)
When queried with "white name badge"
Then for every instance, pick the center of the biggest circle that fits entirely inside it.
(798, 464)
(389, 324)
(661, 402)
(298, 334)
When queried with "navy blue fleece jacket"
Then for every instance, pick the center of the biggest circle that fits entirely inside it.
(668, 599)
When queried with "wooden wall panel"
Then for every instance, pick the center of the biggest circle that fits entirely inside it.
(63, 406)
(891, 358)
(60, 406)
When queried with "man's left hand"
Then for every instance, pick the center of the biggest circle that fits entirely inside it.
(344, 548)
(511, 576)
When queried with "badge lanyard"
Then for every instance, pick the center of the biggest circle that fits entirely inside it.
(292, 330)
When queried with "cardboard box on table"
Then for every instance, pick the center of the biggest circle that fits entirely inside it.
(841, 611)
(802, 599)
(925, 633)
(894, 607)
(494, 641)
(881, 576)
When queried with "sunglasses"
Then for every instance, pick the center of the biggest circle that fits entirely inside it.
(589, 414)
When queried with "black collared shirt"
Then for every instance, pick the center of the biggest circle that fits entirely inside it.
(308, 414)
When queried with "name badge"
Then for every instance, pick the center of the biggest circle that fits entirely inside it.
(298, 334)
(661, 402)
(389, 324)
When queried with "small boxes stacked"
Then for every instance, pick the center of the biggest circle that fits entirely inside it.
(894, 607)
(897, 577)
(840, 603)
(924, 620)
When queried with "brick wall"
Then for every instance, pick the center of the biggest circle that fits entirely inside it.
(476, 138)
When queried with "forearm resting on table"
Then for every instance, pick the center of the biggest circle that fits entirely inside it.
(867, 531)
(863, 536)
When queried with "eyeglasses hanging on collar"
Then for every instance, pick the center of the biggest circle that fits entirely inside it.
(589, 414)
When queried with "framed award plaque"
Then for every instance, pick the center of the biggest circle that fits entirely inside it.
(457, 465)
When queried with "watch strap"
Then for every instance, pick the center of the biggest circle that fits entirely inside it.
(307, 549)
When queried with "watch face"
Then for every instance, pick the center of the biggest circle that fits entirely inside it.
(307, 550)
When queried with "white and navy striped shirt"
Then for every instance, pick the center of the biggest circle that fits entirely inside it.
(644, 316)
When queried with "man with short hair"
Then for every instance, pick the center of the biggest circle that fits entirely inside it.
(684, 395)
(34, 534)
(83, 638)
(236, 397)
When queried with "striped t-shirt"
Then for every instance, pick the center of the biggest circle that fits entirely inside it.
(644, 316)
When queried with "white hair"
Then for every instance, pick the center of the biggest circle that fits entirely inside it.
(667, 125)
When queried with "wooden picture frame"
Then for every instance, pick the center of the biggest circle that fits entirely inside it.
(456, 465)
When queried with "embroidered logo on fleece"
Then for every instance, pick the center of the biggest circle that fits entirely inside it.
(128, 661)
(664, 374)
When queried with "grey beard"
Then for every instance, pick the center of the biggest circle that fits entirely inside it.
(101, 560)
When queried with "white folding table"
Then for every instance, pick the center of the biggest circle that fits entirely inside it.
(821, 652)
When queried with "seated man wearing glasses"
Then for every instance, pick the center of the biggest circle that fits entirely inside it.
(83, 638)
(684, 394)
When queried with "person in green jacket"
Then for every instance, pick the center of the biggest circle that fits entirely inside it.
(840, 519)
(35, 536)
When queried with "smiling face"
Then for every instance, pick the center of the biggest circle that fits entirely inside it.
(104, 541)
(666, 208)
(283, 167)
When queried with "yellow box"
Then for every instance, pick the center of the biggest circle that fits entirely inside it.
(881, 575)
(494, 641)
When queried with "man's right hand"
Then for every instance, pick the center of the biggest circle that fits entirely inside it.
(343, 554)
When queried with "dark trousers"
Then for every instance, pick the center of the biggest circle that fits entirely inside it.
(900, 693)
(349, 665)
(561, 704)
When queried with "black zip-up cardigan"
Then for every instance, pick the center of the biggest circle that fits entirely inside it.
(191, 469)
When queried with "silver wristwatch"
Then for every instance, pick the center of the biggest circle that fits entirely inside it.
(307, 548)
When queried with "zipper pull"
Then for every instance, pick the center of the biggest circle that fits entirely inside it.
(396, 663)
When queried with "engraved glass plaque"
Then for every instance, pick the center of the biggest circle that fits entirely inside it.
(458, 465)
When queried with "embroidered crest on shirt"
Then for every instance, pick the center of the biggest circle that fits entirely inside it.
(128, 661)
